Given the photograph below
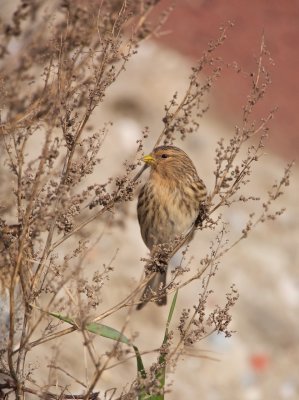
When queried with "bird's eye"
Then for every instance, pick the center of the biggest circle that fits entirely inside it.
(164, 156)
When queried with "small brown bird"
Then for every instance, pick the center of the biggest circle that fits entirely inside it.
(169, 203)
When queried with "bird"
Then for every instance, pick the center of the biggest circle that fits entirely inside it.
(170, 202)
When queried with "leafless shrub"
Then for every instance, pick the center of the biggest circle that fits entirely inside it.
(50, 87)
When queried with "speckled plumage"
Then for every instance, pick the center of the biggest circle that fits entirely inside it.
(168, 204)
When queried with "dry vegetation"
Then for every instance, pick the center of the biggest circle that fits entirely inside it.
(58, 59)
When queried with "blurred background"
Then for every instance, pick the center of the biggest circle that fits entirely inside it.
(194, 23)
(260, 360)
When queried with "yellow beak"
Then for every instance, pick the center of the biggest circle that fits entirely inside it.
(149, 159)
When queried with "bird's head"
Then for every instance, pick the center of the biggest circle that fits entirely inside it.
(169, 162)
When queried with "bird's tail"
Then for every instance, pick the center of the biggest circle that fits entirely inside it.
(155, 287)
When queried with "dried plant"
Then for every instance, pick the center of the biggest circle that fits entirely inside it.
(69, 54)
